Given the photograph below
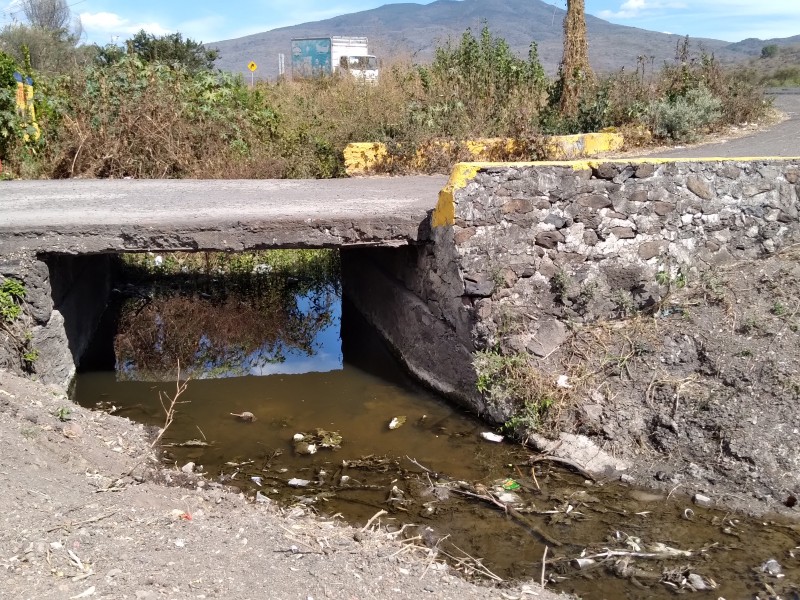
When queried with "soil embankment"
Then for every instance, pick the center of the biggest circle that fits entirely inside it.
(88, 512)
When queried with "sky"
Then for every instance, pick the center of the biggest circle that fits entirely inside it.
(106, 21)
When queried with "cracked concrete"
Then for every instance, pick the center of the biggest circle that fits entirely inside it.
(96, 216)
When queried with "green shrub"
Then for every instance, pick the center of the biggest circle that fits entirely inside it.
(12, 293)
(682, 118)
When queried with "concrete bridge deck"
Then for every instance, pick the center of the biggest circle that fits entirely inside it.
(95, 216)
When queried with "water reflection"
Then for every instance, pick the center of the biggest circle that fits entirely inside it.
(232, 324)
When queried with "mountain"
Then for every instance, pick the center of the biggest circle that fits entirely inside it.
(413, 31)
(753, 46)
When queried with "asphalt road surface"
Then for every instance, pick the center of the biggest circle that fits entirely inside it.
(779, 140)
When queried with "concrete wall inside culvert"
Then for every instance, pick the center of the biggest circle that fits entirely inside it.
(65, 298)
(520, 251)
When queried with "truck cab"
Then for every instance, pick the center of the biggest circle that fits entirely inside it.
(362, 67)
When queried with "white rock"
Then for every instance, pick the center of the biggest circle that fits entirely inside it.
(188, 468)
(701, 500)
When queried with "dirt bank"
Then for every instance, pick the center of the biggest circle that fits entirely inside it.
(86, 514)
(700, 394)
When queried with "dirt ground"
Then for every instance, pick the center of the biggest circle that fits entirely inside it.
(87, 512)
(702, 396)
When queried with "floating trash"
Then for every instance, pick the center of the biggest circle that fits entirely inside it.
(309, 443)
(246, 416)
(397, 422)
(298, 483)
(492, 437)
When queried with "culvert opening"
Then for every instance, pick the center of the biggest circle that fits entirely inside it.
(281, 344)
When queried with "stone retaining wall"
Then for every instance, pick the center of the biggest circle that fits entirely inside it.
(540, 244)
(521, 250)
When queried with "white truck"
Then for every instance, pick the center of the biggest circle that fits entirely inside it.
(316, 57)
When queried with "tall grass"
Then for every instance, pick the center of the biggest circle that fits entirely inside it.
(152, 120)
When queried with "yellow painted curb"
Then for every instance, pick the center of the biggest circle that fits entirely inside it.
(445, 212)
(570, 147)
(364, 157)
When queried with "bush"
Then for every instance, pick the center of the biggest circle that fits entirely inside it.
(478, 88)
(132, 119)
(684, 117)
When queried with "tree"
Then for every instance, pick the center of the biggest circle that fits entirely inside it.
(574, 69)
(172, 48)
(50, 36)
(53, 15)
(769, 51)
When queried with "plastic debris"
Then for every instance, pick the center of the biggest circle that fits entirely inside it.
(256, 479)
(298, 483)
(510, 485)
(582, 563)
(397, 422)
(492, 437)
(305, 448)
(245, 416)
(772, 567)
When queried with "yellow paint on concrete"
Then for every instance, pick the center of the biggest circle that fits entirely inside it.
(445, 211)
(463, 173)
(364, 157)
(570, 147)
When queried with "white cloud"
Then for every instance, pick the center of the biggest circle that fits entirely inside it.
(636, 8)
(631, 9)
(106, 26)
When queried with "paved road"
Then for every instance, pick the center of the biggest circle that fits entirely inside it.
(782, 139)
(84, 216)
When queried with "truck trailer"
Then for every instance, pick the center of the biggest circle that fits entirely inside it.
(317, 57)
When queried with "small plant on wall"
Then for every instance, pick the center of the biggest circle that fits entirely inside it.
(12, 300)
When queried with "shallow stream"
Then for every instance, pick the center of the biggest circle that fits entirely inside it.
(319, 371)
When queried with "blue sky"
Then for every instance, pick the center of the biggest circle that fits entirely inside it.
(208, 21)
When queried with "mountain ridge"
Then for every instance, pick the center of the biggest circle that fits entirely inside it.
(413, 31)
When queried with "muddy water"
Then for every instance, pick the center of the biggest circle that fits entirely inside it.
(435, 471)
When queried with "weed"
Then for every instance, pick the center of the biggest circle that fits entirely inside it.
(778, 309)
(624, 303)
(560, 284)
(29, 357)
(29, 433)
(513, 382)
(749, 325)
(12, 294)
(63, 413)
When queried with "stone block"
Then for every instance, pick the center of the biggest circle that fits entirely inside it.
(700, 186)
(549, 239)
(550, 334)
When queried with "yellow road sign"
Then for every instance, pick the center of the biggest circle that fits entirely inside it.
(252, 66)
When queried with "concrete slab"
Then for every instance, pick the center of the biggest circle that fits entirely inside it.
(92, 216)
